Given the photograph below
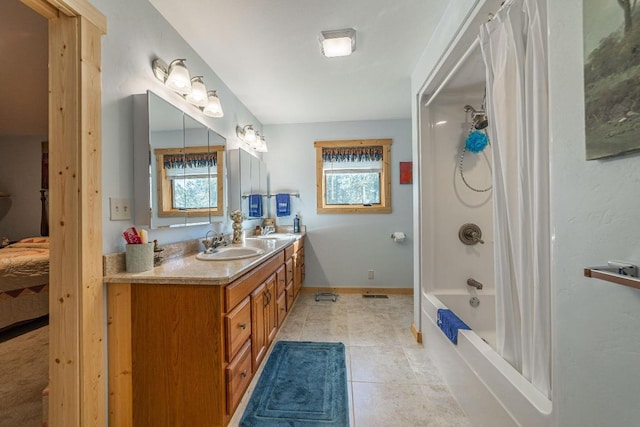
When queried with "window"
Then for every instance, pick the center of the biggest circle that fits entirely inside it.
(190, 182)
(353, 176)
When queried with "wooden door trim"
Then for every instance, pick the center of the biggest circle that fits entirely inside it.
(77, 388)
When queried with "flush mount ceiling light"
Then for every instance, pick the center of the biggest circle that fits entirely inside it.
(177, 78)
(338, 42)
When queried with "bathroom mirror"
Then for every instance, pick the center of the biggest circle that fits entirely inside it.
(178, 166)
(247, 175)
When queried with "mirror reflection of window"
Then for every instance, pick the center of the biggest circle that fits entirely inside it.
(190, 177)
(189, 180)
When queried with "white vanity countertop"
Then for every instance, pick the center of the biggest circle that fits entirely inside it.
(192, 271)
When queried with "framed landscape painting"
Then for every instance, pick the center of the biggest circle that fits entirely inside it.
(611, 77)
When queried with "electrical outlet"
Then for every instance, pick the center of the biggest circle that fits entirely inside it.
(120, 209)
(370, 274)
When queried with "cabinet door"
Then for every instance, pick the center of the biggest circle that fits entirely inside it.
(271, 319)
(258, 335)
(289, 270)
(297, 273)
(281, 279)
(281, 308)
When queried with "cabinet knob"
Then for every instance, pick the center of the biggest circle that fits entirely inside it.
(243, 373)
(243, 326)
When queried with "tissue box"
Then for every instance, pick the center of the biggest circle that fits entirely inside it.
(139, 257)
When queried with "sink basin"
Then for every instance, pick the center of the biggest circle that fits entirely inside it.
(275, 236)
(228, 254)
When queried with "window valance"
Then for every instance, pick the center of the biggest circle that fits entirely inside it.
(190, 160)
(352, 154)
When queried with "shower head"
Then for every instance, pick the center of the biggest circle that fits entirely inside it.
(479, 117)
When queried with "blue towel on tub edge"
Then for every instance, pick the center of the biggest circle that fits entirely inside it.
(450, 323)
(255, 205)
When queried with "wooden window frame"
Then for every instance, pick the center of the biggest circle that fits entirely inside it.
(165, 198)
(385, 177)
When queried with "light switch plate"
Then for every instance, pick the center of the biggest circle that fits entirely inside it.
(120, 209)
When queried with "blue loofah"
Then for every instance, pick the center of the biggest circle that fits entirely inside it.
(476, 141)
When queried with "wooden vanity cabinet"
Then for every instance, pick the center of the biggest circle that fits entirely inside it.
(298, 266)
(184, 355)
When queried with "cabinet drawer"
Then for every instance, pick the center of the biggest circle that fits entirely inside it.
(288, 251)
(237, 325)
(281, 280)
(281, 306)
(241, 288)
(238, 374)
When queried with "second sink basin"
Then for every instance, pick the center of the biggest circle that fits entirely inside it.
(228, 254)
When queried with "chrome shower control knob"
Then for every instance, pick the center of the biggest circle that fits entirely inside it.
(470, 234)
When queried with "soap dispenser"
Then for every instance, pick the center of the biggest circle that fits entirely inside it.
(296, 224)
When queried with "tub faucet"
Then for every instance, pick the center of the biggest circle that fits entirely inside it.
(474, 283)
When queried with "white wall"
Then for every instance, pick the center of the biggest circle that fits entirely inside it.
(595, 211)
(137, 34)
(340, 249)
(20, 165)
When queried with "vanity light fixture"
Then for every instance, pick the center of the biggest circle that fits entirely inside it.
(261, 144)
(177, 78)
(213, 108)
(246, 133)
(198, 95)
(252, 137)
(338, 42)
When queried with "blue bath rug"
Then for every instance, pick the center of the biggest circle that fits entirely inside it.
(302, 384)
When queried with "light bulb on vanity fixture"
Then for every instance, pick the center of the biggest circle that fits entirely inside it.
(213, 108)
(261, 144)
(198, 94)
(177, 78)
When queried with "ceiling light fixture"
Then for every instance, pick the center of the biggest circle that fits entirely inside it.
(177, 78)
(338, 42)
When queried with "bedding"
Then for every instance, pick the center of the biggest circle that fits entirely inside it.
(24, 281)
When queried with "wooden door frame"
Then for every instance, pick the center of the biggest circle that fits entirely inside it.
(77, 381)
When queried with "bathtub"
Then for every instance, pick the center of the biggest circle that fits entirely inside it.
(490, 391)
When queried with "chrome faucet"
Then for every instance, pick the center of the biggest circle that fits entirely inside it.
(268, 230)
(474, 283)
(211, 244)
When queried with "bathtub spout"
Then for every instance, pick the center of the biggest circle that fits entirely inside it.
(474, 283)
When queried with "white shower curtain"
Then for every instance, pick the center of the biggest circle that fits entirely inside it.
(514, 50)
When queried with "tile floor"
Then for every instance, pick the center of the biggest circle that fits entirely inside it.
(391, 380)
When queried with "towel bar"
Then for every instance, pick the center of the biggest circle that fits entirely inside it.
(244, 196)
(616, 272)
